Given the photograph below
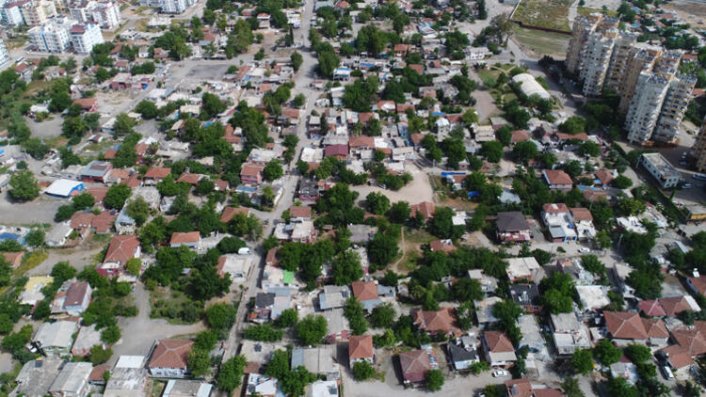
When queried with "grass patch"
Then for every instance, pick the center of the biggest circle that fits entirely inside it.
(585, 11)
(57, 142)
(30, 261)
(174, 306)
(549, 14)
(542, 43)
(416, 236)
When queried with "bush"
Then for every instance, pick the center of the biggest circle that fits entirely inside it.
(99, 355)
(434, 380)
(263, 333)
(362, 370)
(221, 316)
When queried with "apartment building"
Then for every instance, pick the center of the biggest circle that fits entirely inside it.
(53, 36)
(35, 13)
(673, 108)
(583, 27)
(105, 14)
(11, 13)
(84, 37)
(641, 59)
(4, 55)
(175, 6)
(620, 61)
(644, 108)
(698, 151)
(596, 61)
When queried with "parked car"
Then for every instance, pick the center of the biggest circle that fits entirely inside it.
(499, 372)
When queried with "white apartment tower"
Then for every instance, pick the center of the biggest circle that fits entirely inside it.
(175, 6)
(106, 14)
(619, 61)
(53, 36)
(673, 108)
(596, 60)
(84, 37)
(641, 59)
(582, 29)
(4, 55)
(36, 13)
(642, 116)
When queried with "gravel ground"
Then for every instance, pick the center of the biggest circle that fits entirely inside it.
(416, 191)
(41, 210)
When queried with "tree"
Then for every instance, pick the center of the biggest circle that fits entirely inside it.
(311, 330)
(123, 125)
(621, 182)
(263, 333)
(582, 361)
(221, 316)
(382, 249)
(116, 196)
(434, 380)
(23, 186)
(198, 363)
(99, 355)
(83, 201)
(147, 109)
(441, 224)
(346, 268)
(278, 366)
(273, 170)
(110, 334)
(383, 316)
(606, 353)
(36, 148)
(362, 371)
(524, 151)
(138, 209)
(492, 151)
(589, 148)
(377, 203)
(230, 374)
(288, 318)
(466, 289)
(573, 125)
(296, 59)
(638, 353)
(35, 238)
(212, 105)
(618, 386)
(571, 387)
(399, 212)
(328, 61)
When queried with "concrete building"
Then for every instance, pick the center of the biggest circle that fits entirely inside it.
(620, 61)
(175, 6)
(35, 13)
(4, 55)
(666, 175)
(85, 37)
(11, 13)
(582, 29)
(673, 109)
(644, 108)
(642, 58)
(106, 14)
(52, 36)
(596, 61)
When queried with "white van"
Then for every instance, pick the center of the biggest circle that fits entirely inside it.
(244, 251)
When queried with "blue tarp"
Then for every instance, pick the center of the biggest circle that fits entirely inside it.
(473, 194)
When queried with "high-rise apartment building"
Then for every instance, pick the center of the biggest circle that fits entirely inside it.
(596, 60)
(698, 151)
(53, 36)
(641, 59)
(84, 37)
(36, 13)
(582, 29)
(620, 61)
(673, 108)
(106, 14)
(644, 109)
(4, 55)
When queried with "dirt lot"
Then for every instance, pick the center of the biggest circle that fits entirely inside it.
(693, 12)
(551, 14)
(537, 43)
(415, 192)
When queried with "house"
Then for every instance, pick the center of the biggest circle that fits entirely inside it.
(498, 349)
(668, 306)
(558, 220)
(81, 222)
(86, 338)
(523, 387)
(557, 179)
(155, 175)
(487, 283)
(299, 213)
(439, 322)
(339, 152)
(262, 310)
(583, 223)
(366, 292)
(237, 266)
(14, 259)
(36, 376)
(446, 246)
(55, 338)
(65, 188)
(320, 360)
(87, 104)
(484, 310)
(96, 171)
(58, 235)
(512, 227)
(603, 177)
(462, 355)
(628, 327)
(424, 210)
(169, 358)
(185, 239)
(360, 348)
(323, 388)
(261, 386)
(333, 297)
(308, 190)
(77, 298)
(361, 234)
(303, 232)
(231, 212)
(414, 366)
(127, 382)
(120, 250)
(697, 284)
(338, 327)
(568, 333)
(187, 388)
(524, 269)
(72, 381)
(251, 174)
(527, 297)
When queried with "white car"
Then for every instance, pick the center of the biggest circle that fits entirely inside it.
(499, 372)
(584, 250)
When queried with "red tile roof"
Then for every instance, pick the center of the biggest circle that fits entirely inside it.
(230, 212)
(364, 290)
(157, 173)
(414, 365)
(581, 214)
(103, 222)
(498, 342)
(558, 177)
(13, 258)
(122, 249)
(300, 212)
(76, 293)
(185, 237)
(625, 325)
(426, 209)
(249, 169)
(191, 179)
(171, 353)
(437, 322)
(81, 220)
(555, 208)
(360, 346)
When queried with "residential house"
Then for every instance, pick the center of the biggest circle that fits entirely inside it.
(251, 174)
(187, 388)
(75, 298)
(237, 266)
(366, 292)
(523, 388)
(424, 210)
(568, 333)
(498, 349)
(557, 179)
(96, 171)
(169, 358)
(559, 222)
(338, 327)
(323, 388)
(86, 338)
(583, 223)
(308, 190)
(55, 338)
(333, 297)
(261, 386)
(36, 376)
(445, 245)
(299, 213)
(439, 322)
(524, 269)
(484, 310)
(120, 250)
(628, 327)
(262, 311)
(671, 306)
(487, 283)
(697, 284)
(185, 239)
(360, 348)
(231, 212)
(463, 352)
(155, 175)
(414, 365)
(339, 152)
(512, 227)
(320, 360)
(72, 381)
(527, 297)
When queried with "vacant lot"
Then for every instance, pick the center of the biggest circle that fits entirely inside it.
(548, 14)
(537, 43)
(416, 191)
